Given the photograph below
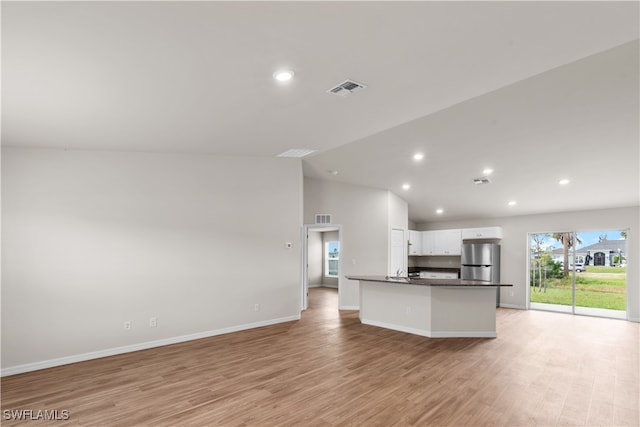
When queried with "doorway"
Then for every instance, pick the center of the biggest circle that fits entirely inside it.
(321, 259)
(579, 272)
(598, 258)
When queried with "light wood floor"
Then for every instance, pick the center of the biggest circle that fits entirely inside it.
(327, 369)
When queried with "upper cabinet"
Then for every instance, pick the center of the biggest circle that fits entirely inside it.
(415, 242)
(447, 242)
(428, 243)
(441, 242)
(482, 233)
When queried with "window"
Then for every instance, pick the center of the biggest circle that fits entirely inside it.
(595, 284)
(331, 258)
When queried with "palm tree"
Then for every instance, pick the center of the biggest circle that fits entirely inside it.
(567, 240)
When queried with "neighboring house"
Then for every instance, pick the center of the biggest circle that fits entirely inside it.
(601, 253)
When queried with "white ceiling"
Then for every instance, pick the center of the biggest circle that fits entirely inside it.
(537, 90)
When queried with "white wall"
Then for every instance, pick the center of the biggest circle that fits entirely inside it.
(363, 214)
(91, 239)
(515, 244)
(398, 213)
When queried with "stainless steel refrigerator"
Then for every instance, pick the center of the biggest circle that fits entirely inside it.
(481, 261)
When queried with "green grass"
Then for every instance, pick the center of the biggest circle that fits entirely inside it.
(590, 292)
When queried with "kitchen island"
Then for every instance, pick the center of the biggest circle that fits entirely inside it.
(438, 308)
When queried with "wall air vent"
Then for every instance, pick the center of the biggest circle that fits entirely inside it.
(323, 219)
(347, 87)
(481, 181)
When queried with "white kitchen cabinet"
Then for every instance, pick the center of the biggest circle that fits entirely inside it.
(441, 242)
(428, 242)
(482, 233)
(448, 242)
(415, 242)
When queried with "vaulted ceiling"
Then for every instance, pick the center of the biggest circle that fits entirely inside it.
(537, 91)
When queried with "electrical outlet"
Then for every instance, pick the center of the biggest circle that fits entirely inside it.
(256, 307)
(408, 310)
(127, 325)
(153, 322)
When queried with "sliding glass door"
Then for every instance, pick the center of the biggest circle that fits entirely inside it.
(581, 272)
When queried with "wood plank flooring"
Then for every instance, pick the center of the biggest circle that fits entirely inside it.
(327, 369)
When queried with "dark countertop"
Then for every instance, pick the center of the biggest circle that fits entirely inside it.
(427, 282)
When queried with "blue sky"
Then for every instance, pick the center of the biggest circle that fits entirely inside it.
(591, 237)
(331, 246)
(587, 238)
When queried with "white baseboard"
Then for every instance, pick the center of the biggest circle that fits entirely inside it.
(349, 307)
(464, 334)
(515, 306)
(431, 334)
(35, 366)
(395, 327)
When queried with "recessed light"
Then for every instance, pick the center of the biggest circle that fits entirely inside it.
(512, 203)
(406, 186)
(333, 172)
(564, 182)
(283, 75)
(418, 156)
(439, 211)
(487, 171)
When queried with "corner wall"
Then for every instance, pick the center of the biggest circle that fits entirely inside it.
(363, 214)
(93, 239)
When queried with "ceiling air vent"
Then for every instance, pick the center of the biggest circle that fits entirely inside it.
(347, 87)
(323, 219)
(481, 181)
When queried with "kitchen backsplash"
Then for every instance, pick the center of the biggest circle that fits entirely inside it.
(435, 262)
